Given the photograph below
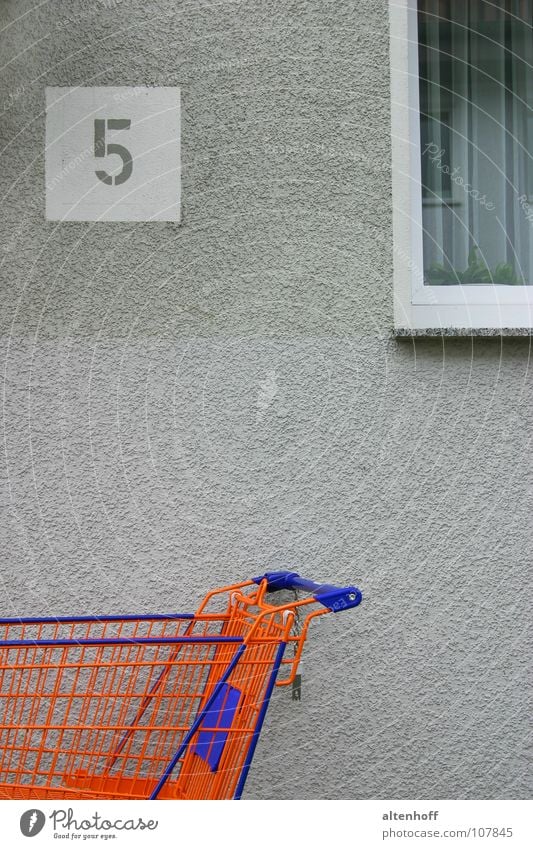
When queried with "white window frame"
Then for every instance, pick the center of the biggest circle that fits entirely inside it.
(416, 306)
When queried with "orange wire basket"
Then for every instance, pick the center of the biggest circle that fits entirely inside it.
(149, 707)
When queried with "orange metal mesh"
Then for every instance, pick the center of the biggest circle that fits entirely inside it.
(102, 720)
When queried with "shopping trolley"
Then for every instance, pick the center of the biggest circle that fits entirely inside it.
(150, 707)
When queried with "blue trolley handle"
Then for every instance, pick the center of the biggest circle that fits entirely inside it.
(334, 598)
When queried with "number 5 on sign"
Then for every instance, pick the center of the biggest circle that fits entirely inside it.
(113, 154)
(101, 149)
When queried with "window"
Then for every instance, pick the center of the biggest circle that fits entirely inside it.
(462, 129)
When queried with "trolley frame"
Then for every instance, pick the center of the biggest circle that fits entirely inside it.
(149, 706)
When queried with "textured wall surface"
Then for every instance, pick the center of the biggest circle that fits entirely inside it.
(187, 405)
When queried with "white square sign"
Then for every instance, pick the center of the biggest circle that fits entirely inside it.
(113, 154)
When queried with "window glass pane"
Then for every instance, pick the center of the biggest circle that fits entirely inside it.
(476, 105)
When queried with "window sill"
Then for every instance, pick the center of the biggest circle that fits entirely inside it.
(407, 332)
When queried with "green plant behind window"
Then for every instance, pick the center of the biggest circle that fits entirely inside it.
(476, 271)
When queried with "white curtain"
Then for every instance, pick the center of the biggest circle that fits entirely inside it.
(476, 104)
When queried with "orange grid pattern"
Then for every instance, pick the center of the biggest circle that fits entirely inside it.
(103, 720)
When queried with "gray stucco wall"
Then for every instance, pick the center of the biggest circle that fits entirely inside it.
(188, 405)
